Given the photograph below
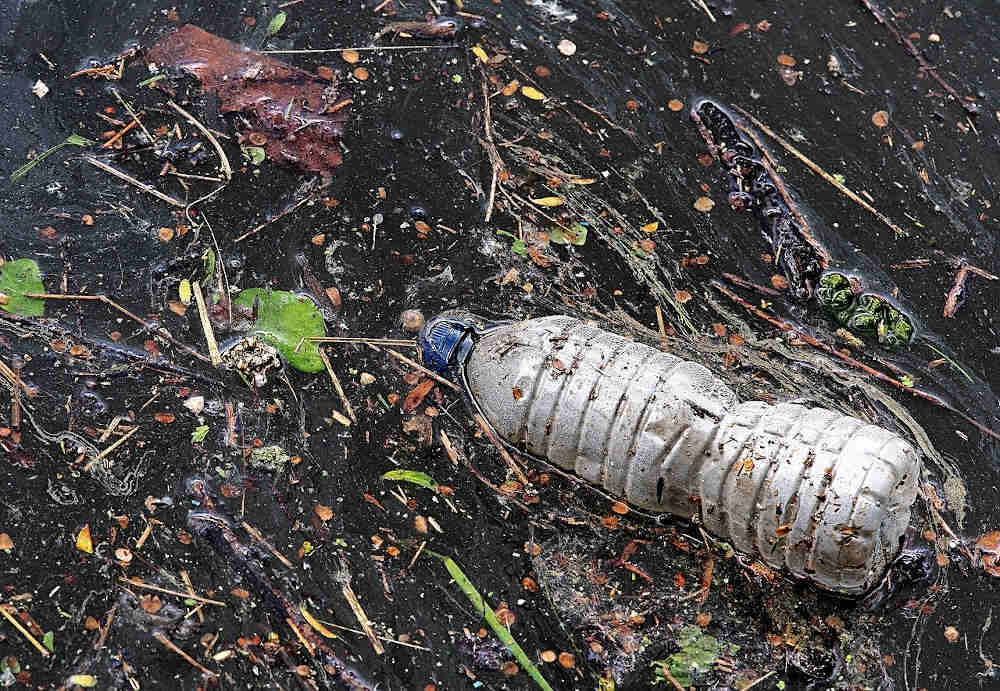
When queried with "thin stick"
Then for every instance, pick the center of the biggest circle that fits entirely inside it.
(103, 454)
(659, 322)
(132, 113)
(162, 638)
(149, 189)
(118, 135)
(111, 303)
(504, 454)
(913, 391)
(206, 325)
(227, 170)
(398, 342)
(106, 629)
(251, 233)
(177, 593)
(341, 50)
(381, 638)
(604, 117)
(306, 643)
(336, 385)
(363, 620)
(190, 588)
(5, 611)
(413, 363)
(702, 5)
(759, 680)
(259, 537)
(744, 283)
(822, 173)
(15, 400)
(417, 555)
(951, 302)
(495, 161)
(10, 374)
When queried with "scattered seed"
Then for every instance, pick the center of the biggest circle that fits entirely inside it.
(351, 56)
(360, 73)
(675, 105)
(699, 47)
(165, 234)
(548, 656)
(567, 660)
(951, 634)
(786, 60)
(325, 513)
(566, 47)
(703, 204)
(880, 118)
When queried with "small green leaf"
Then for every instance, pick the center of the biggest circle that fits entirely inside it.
(907, 381)
(577, 235)
(277, 21)
(414, 476)
(199, 434)
(17, 278)
(86, 681)
(208, 261)
(256, 154)
(49, 641)
(518, 247)
(839, 178)
(283, 320)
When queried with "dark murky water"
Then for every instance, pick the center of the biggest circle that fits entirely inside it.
(414, 135)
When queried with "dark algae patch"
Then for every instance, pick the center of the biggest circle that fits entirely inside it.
(165, 525)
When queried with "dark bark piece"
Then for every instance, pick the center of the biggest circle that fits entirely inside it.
(296, 116)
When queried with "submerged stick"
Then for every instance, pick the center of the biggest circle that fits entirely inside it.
(118, 442)
(822, 173)
(5, 611)
(170, 645)
(206, 325)
(881, 376)
(362, 618)
(177, 593)
(310, 51)
(398, 342)
(336, 385)
(147, 188)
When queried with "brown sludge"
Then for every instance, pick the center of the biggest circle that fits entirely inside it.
(298, 116)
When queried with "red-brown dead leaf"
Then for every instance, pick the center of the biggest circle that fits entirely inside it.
(417, 395)
(275, 97)
(164, 418)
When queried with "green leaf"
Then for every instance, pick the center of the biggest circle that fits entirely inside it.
(49, 641)
(518, 247)
(490, 616)
(256, 154)
(73, 139)
(283, 320)
(907, 381)
(414, 476)
(277, 21)
(86, 681)
(17, 278)
(208, 261)
(199, 434)
(577, 235)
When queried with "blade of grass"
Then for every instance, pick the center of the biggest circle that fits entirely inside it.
(491, 618)
(73, 139)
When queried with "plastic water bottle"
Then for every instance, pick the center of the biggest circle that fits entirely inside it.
(820, 494)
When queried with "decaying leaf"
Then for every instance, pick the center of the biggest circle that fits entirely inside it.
(275, 98)
(423, 426)
(416, 396)
(84, 542)
(532, 93)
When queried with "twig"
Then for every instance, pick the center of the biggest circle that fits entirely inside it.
(162, 638)
(341, 50)
(759, 680)
(954, 295)
(111, 303)
(495, 440)
(106, 629)
(438, 378)
(227, 170)
(417, 555)
(381, 638)
(744, 283)
(822, 173)
(149, 189)
(259, 537)
(706, 577)
(5, 610)
(131, 112)
(251, 233)
(363, 620)
(118, 135)
(659, 322)
(925, 66)
(190, 588)
(336, 385)
(177, 593)
(702, 5)
(13, 376)
(491, 148)
(206, 325)
(603, 117)
(881, 376)
(398, 342)
(15, 400)
(306, 643)
(103, 454)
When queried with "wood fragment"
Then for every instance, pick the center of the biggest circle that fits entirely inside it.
(703, 6)
(190, 588)
(659, 323)
(504, 454)
(206, 325)
(951, 303)
(145, 536)
(6, 610)
(177, 593)
(106, 629)
(881, 376)
(259, 537)
(822, 173)
(119, 134)
(227, 170)
(170, 645)
(122, 175)
(306, 643)
(336, 385)
(104, 454)
(759, 680)
(744, 283)
(363, 620)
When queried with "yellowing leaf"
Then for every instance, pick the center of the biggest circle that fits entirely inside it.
(548, 201)
(582, 181)
(532, 93)
(185, 291)
(478, 51)
(651, 227)
(86, 681)
(314, 622)
(84, 542)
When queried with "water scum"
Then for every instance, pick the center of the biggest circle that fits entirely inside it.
(593, 592)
